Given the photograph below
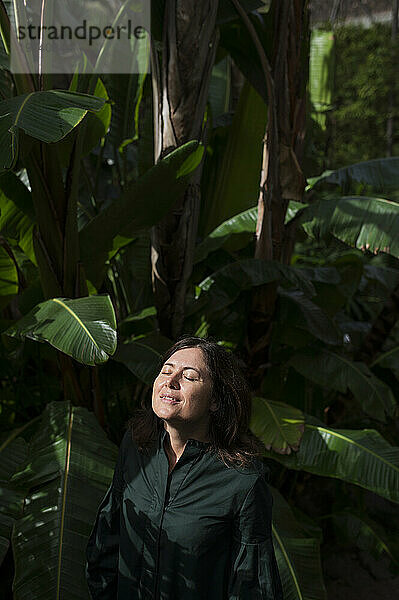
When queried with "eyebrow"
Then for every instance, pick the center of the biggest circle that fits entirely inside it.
(170, 364)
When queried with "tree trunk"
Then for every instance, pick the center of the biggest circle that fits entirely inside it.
(180, 96)
(281, 177)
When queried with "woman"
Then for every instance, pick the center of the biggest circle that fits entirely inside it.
(188, 514)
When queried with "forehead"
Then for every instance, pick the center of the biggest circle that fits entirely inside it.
(188, 357)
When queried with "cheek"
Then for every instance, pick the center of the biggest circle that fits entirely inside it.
(155, 388)
(158, 382)
(201, 402)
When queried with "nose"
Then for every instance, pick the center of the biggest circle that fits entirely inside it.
(173, 381)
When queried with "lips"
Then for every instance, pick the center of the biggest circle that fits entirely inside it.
(169, 399)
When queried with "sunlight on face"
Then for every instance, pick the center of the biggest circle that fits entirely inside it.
(182, 392)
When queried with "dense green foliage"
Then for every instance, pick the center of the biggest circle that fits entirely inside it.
(366, 72)
(79, 221)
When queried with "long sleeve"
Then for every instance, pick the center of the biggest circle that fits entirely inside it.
(254, 574)
(102, 551)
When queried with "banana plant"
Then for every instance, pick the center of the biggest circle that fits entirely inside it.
(13, 453)
(363, 221)
(298, 554)
(76, 214)
(380, 174)
(369, 536)
(366, 222)
(338, 372)
(69, 451)
(361, 457)
(279, 425)
(84, 328)
(321, 74)
(47, 116)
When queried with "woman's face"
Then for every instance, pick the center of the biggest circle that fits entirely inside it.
(181, 393)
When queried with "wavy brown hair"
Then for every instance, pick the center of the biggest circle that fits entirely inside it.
(230, 436)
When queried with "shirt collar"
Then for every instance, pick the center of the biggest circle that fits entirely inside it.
(190, 442)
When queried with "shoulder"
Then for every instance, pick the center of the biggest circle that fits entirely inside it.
(257, 477)
(131, 458)
(253, 512)
(257, 468)
(127, 445)
(242, 481)
(127, 439)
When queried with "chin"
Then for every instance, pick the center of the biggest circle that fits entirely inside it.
(164, 412)
(169, 417)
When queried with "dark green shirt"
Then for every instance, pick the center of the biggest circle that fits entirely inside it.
(201, 532)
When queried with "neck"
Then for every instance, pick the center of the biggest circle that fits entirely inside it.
(177, 439)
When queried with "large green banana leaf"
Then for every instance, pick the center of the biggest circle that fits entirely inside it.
(381, 174)
(357, 528)
(141, 206)
(362, 457)
(13, 453)
(244, 274)
(244, 222)
(189, 164)
(388, 277)
(97, 123)
(8, 274)
(294, 210)
(232, 168)
(299, 584)
(47, 116)
(69, 468)
(239, 43)
(225, 285)
(298, 555)
(389, 360)
(302, 277)
(139, 323)
(321, 74)
(308, 315)
(126, 92)
(16, 213)
(279, 425)
(337, 372)
(220, 87)
(359, 221)
(84, 328)
(143, 356)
